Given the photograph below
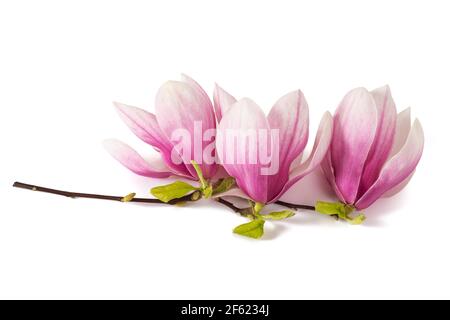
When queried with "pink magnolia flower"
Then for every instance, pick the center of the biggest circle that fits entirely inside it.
(374, 151)
(178, 105)
(284, 132)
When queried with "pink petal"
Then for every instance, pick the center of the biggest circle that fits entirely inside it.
(355, 124)
(297, 162)
(182, 105)
(144, 125)
(245, 116)
(398, 168)
(328, 171)
(402, 129)
(290, 116)
(133, 161)
(392, 192)
(319, 151)
(384, 137)
(222, 101)
(195, 85)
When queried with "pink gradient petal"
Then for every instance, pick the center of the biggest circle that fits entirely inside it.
(319, 151)
(290, 116)
(179, 105)
(245, 115)
(355, 124)
(144, 125)
(402, 129)
(392, 192)
(398, 168)
(195, 85)
(297, 162)
(133, 161)
(222, 101)
(384, 137)
(328, 172)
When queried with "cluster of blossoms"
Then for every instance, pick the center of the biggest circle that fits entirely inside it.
(366, 150)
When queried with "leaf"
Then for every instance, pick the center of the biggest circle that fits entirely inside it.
(128, 197)
(172, 191)
(253, 229)
(356, 220)
(330, 208)
(278, 215)
(223, 185)
(341, 210)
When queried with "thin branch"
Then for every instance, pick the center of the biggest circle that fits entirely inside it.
(189, 197)
(302, 206)
(295, 206)
(245, 212)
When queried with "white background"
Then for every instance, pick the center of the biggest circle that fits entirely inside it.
(62, 63)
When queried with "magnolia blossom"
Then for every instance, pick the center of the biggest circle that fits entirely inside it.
(281, 137)
(374, 150)
(183, 107)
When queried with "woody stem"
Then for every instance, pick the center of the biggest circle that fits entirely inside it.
(189, 197)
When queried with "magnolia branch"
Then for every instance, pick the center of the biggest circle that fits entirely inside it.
(188, 198)
(70, 194)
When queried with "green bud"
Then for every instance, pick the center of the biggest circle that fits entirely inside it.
(223, 185)
(128, 197)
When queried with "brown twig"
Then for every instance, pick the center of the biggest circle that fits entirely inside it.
(295, 206)
(246, 212)
(302, 206)
(190, 197)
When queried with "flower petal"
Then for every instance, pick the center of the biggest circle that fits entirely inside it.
(328, 171)
(402, 129)
(290, 117)
(319, 151)
(392, 192)
(195, 85)
(384, 137)
(398, 168)
(183, 106)
(145, 126)
(133, 161)
(238, 154)
(355, 124)
(222, 101)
